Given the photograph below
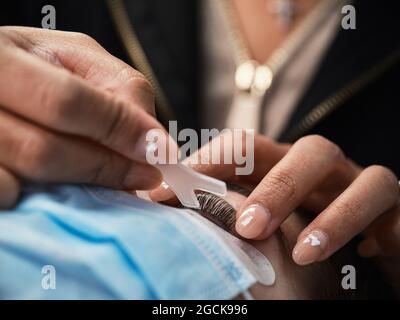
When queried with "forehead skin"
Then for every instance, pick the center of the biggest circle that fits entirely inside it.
(292, 281)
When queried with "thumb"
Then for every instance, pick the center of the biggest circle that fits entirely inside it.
(9, 189)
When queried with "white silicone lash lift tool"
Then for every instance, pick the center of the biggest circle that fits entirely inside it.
(183, 181)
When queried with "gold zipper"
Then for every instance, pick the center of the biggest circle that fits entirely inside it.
(254, 78)
(329, 105)
(138, 56)
(326, 107)
(317, 114)
(290, 46)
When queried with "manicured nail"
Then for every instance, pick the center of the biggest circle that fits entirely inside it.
(156, 147)
(164, 185)
(368, 248)
(142, 178)
(162, 193)
(253, 221)
(141, 149)
(310, 248)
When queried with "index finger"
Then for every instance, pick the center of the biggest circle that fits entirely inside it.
(61, 101)
(86, 58)
(287, 185)
(266, 154)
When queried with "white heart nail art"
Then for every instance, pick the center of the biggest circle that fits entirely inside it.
(246, 219)
(313, 240)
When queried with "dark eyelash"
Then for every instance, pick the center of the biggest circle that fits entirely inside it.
(217, 210)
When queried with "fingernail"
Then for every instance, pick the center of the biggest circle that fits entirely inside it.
(162, 193)
(310, 248)
(140, 150)
(142, 178)
(156, 147)
(253, 221)
(368, 248)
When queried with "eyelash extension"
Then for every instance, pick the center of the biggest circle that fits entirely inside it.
(217, 210)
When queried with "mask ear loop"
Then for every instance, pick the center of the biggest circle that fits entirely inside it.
(247, 295)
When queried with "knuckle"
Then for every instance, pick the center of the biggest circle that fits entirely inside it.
(83, 37)
(138, 88)
(281, 182)
(345, 208)
(143, 84)
(385, 173)
(143, 81)
(389, 179)
(58, 99)
(68, 98)
(324, 145)
(117, 120)
(128, 73)
(33, 156)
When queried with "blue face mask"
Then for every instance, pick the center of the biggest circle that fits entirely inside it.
(71, 242)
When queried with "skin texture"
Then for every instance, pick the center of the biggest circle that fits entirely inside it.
(70, 112)
(262, 29)
(274, 249)
(292, 281)
(314, 175)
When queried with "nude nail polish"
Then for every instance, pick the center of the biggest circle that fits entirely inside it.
(162, 193)
(310, 247)
(253, 221)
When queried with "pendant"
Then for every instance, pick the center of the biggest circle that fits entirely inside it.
(253, 77)
(252, 82)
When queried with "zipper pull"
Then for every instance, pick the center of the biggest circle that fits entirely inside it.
(253, 77)
(252, 82)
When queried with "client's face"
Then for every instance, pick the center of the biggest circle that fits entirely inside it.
(292, 281)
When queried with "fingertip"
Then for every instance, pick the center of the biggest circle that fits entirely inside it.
(253, 221)
(162, 193)
(9, 189)
(310, 248)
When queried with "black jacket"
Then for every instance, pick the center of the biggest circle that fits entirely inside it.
(352, 100)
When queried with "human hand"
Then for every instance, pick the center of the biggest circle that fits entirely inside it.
(70, 112)
(312, 174)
